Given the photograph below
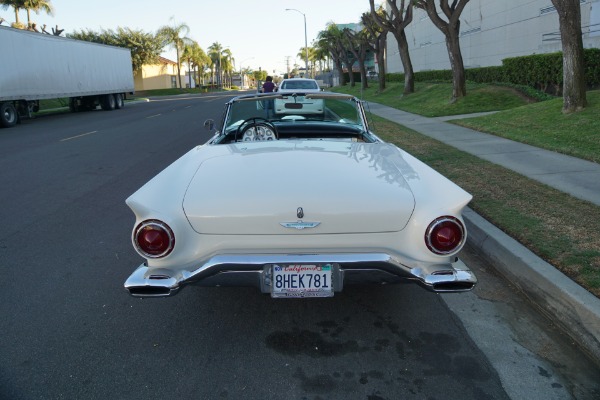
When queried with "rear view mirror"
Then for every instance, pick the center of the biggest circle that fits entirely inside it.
(209, 124)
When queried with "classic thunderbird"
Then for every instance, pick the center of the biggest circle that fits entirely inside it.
(298, 204)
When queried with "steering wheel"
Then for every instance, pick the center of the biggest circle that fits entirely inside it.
(257, 129)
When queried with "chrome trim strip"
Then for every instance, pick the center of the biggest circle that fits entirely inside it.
(445, 277)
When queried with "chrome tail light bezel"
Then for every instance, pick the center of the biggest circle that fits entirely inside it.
(164, 230)
(444, 222)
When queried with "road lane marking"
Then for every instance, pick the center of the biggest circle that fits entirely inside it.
(78, 136)
(155, 115)
(183, 97)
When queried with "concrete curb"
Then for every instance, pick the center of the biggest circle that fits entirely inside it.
(572, 308)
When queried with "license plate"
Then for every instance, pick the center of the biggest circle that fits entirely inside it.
(301, 280)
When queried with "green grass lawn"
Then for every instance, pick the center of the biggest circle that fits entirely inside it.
(543, 125)
(519, 118)
(433, 99)
(556, 226)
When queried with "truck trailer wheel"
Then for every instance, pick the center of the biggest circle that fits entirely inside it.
(8, 115)
(119, 103)
(108, 102)
(73, 105)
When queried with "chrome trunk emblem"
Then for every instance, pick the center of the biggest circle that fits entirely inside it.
(299, 224)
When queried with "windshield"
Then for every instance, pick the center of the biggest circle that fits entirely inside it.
(295, 109)
(298, 84)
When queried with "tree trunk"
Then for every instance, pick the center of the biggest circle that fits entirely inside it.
(350, 72)
(459, 81)
(574, 84)
(360, 56)
(409, 75)
(178, 68)
(364, 84)
(340, 69)
(381, 63)
(451, 31)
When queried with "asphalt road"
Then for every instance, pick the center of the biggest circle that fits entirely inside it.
(70, 331)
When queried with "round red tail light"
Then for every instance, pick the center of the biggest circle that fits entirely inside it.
(445, 235)
(153, 239)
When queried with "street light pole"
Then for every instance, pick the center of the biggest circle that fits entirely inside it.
(305, 38)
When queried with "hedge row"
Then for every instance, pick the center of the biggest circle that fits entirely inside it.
(540, 71)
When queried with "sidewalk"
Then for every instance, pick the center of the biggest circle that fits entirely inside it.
(571, 175)
(575, 309)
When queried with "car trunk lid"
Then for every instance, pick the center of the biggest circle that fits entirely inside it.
(300, 187)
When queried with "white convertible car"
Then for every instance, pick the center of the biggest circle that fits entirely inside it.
(297, 204)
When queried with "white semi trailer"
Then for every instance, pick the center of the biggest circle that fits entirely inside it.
(36, 66)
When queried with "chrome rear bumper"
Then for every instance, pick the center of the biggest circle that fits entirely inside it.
(254, 270)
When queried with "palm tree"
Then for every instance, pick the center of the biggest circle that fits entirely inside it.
(228, 62)
(311, 58)
(219, 57)
(175, 37)
(320, 56)
(37, 6)
(195, 58)
(214, 52)
(202, 64)
(244, 72)
(16, 5)
(332, 40)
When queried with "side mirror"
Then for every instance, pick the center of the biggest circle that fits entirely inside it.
(209, 124)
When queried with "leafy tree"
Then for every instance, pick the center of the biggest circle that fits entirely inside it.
(320, 56)
(245, 72)
(145, 47)
(340, 51)
(574, 85)
(451, 30)
(17, 5)
(37, 6)
(331, 39)
(220, 60)
(358, 46)
(195, 58)
(377, 39)
(228, 61)
(396, 22)
(312, 59)
(259, 75)
(175, 36)
(322, 48)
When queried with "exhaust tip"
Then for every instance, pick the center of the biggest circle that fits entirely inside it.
(150, 291)
(453, 286)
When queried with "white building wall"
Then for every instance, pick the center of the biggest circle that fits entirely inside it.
(492, 30)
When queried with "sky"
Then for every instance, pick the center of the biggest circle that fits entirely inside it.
(259, 33)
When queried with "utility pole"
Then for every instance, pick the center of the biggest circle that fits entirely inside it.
(305, 38)
(287, 65)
